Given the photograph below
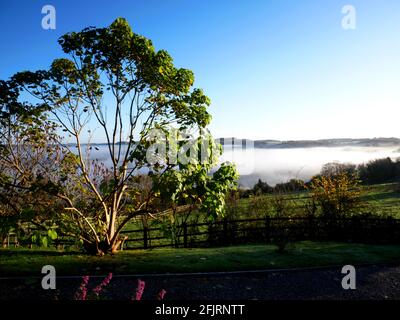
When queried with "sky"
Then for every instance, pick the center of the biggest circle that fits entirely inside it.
(277, 69)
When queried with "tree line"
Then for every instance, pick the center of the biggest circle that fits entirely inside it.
(384, 170)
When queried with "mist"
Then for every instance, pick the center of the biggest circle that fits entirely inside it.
(280, 165)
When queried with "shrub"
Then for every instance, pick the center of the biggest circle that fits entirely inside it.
(337, 195)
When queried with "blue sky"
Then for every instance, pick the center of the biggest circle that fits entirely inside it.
(279, 69)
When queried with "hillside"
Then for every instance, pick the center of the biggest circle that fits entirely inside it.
(276, 144)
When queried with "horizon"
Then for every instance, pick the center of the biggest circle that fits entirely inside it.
(277, 140)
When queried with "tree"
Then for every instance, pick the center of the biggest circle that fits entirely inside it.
(153, 121)
(291, 186)
(27, 157)
(261, 187)
(378, 171)
(336, 168)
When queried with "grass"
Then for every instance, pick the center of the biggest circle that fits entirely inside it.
(383, 199)
(24, 262)
(380, 199)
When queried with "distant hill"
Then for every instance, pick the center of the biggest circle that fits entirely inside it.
(276, 144)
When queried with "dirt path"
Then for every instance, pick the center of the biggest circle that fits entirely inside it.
(373, 282)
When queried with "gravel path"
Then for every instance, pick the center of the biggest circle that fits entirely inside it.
(373, 282)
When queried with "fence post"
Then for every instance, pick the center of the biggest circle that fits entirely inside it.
(185, 235)
(225, 231)
(311, 225)
(145, 237)
(268, 229)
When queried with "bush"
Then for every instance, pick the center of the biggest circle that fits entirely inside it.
(282, 233)
(292, 185)
(337, 195)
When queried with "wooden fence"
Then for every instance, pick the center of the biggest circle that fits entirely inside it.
(268, 230)
(246, 231)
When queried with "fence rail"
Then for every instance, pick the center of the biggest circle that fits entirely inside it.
(268, 230)
(257, 230)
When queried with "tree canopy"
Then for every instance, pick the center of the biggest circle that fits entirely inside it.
(154, 123)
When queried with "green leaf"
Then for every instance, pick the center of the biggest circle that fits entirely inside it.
(52, 234)
(44, 241)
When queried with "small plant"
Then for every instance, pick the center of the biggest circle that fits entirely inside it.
(161, 294)
(101, 286)
(83, 292)
(140, 288)
(260, 206)
(281, 238)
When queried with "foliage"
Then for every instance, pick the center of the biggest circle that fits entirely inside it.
(281, 209)
(373, 172)
(337, 195)
(380, 171)
(261, 187)
(114, 80)
(28, 155)
(332, 169)
(293, 185)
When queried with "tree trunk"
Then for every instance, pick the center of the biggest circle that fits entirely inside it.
(4, 241)
(104, 247)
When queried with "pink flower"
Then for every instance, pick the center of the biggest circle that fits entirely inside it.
(97, 290)
(84, 293)
(161, 294)
(101, 286)
(81, 294)
(140, 289)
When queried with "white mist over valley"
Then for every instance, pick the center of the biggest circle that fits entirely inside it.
(280, 165)
(276, 162)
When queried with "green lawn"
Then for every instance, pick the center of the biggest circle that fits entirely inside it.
(249, 257)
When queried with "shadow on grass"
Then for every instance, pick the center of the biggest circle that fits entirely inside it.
(35, 252)
(381, 196)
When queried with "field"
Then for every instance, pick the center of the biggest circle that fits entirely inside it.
(381, 200)
(23, 262)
